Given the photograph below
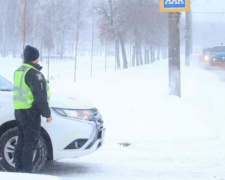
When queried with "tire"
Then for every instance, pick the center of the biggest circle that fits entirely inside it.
(7, 147)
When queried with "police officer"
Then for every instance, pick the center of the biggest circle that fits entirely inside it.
(30, 102)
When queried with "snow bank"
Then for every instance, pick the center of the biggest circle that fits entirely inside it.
(25, 176)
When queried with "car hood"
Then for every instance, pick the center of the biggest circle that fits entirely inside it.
(6, 97)
(69, 102)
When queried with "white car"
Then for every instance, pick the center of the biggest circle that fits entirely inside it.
(76, 130)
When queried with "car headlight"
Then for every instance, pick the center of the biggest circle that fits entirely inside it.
(206, 58)
(84, 114)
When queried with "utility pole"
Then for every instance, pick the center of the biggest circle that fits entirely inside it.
(191, 40)
(106, 50)
(24, 22)
(174, 54)
(187, 37)
(92, 43)
(77, 37)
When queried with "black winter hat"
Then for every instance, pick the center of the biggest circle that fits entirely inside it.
(30, 53)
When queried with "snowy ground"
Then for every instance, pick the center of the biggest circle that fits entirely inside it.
(169, 138)
(26, 176)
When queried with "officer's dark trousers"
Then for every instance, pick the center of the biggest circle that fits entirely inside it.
(29, 124)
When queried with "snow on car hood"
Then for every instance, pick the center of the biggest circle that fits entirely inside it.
(69, 102)
(6, 97)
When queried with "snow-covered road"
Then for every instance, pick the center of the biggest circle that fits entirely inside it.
(170, 160)
(170, 138)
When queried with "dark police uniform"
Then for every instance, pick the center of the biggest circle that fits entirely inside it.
(29, 119)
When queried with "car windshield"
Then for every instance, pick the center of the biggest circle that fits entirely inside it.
(5, 85)
(219, 49)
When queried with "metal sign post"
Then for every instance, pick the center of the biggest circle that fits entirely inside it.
(174, 7)
(187, 37)
(174, 54)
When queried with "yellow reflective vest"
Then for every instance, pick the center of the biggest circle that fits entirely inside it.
(22, 96)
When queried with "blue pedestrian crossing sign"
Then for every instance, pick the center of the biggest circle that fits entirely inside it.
(174, 5)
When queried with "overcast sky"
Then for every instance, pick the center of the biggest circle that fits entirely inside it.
(204, 10)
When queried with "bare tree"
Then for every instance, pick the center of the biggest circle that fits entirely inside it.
(144, 23)
(111, 27)
(3, 21)
(79, 10)
(92, 42)
(52, 25)
(24, 21)
(111, 17)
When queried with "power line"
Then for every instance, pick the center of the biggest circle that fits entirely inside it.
(208, 12)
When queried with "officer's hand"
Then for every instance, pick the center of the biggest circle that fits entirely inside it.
(48, 120)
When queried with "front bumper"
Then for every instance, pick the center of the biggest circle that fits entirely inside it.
(76, 138)
(79, 152)
(90, 146)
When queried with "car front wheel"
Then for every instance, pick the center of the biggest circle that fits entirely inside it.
(7, 147)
